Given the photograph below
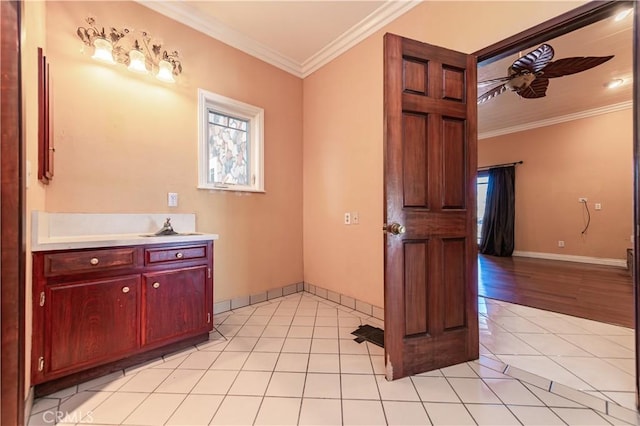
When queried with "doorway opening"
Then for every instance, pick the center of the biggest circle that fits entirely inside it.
(561, 25)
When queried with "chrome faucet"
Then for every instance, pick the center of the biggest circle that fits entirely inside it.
(166, 229)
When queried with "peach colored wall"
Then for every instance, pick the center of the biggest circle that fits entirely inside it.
(592, 158)
(124, 140)
(33, 36)
(343, 135)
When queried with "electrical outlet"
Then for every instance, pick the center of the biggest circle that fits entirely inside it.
(561, 244)
(347, 218)
(172, 199)
(355, 218)
(598, 206)
(582, 200)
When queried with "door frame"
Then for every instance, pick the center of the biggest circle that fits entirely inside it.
(12, 220)
(574, 19)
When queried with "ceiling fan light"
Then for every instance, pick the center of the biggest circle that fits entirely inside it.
(615, 83)
(623, 14)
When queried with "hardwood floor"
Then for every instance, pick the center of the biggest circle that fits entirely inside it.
(596, 292)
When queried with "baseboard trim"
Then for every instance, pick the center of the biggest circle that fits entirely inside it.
(341, 299)
(349, 302)
(242, 301)
(572, 258)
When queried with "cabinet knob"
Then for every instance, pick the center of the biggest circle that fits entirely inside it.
(156, 284)
(125, 289)
(94, 261)
(179, 255)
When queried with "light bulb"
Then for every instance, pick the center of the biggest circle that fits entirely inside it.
(165, 72)
(623, 14)
(615, 83)
(103, 49)
(137, 62)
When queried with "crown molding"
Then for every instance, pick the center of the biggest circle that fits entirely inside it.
(187, 15)
(557, 120)
(377, 19)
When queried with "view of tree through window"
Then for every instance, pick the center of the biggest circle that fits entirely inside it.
(228, 149)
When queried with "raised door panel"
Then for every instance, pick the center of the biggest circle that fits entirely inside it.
(91, 322)
(175, 304)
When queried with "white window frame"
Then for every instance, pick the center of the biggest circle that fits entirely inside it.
(227, 106)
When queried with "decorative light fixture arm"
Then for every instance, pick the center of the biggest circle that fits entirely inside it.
(121, 46)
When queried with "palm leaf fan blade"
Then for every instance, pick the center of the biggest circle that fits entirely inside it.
(537, 89)
(484, 83)
(568, 66)
(491, 93)
(535, 60)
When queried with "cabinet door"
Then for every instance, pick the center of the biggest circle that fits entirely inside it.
(176, 304)
(91, 322)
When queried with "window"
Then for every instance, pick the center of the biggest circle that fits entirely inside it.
(481, 184)
(231, 144)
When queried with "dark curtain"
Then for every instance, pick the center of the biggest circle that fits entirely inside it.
(499, 214)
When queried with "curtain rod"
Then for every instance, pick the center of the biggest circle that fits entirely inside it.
(500, 165)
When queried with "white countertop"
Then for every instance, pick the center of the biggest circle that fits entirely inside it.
(66, 231)
(112, 240)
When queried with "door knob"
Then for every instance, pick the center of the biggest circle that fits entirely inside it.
(394, 228)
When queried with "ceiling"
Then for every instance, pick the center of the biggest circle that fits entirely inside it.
(272, 31)
(298, 36)
(569, 97)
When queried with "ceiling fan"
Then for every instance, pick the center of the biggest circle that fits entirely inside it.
(529, 75)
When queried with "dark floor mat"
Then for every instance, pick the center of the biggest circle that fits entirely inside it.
(369, 333)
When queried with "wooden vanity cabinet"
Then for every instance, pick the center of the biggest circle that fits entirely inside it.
(91, 321)
(175, 304)
(95, 309)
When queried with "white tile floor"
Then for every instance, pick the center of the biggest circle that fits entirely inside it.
(292, 360)
(590, 356)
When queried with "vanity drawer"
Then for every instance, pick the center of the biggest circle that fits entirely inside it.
(90, 260)
(174, 254)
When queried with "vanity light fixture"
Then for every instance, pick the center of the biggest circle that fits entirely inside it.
(133, 49)
(103, 50)
(165, 72)
(137, 60)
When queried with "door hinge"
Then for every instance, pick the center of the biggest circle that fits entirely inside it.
(41, 363)
(208, 272)
(42, 298)
(208, 317)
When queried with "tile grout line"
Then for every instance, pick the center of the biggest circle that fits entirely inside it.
(224, 398)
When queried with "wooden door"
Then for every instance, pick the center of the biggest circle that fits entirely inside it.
(431, 311)
(176, 304)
